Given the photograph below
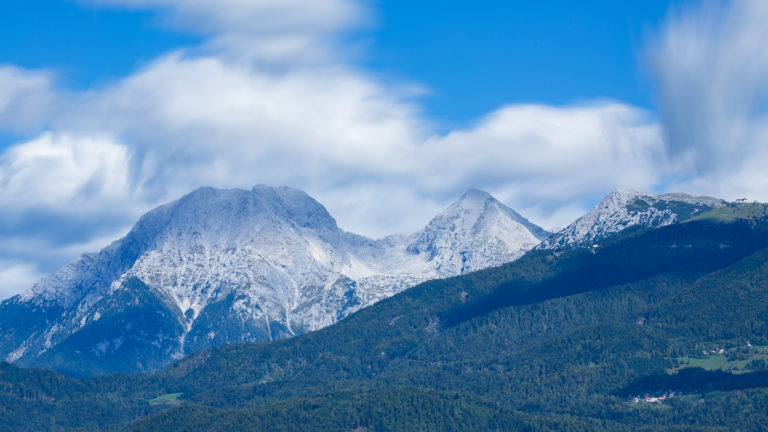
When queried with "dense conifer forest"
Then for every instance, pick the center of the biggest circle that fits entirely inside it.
(651, 330)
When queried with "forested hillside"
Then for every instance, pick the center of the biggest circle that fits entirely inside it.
(558, 340)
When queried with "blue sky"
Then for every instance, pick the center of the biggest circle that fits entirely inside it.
(385, 111)
(85, 45)
(478, 57)
(471, 59)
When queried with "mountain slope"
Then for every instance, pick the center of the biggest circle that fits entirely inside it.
(224, 266)
(475, 232)
(622, 209)
(524, 345)
(563, 352)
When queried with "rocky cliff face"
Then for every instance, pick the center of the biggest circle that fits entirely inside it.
(224, 266)
(475, 232)
(622, 209)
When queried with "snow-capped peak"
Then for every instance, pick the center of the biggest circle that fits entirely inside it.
(472, 232)
(474, 198)
(621, 209)
(221, 266)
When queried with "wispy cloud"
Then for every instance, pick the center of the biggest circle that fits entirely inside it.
(27, 99)
(270, 99)
(14, 275)
(711, 68)
(271, 31)
(361, 148)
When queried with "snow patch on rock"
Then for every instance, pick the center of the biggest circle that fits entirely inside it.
(269, 261)
(622, 209)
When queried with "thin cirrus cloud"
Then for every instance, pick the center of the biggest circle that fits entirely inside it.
(256, 17)
(15, 274)
(270, 31)
(62, 195)
(711, 70)
(269, 98)
(26, 98)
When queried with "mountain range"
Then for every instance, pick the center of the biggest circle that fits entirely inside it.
(623, 209)
(652, 328)
(225, 266)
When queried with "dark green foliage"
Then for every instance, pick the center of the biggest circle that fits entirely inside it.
(554, 341)
(757, 365)
(22, 321)
(696, 380)
(225, 331)
(682, 209)
(130, 327)
(619, 262)
(393, 409)
(638, 205)
(40, 400)
(735, 211)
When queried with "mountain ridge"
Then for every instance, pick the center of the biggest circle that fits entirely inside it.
(515, 347)
(224, 266)
(622, 209)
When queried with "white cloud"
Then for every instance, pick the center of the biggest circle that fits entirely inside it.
(361, 148)
(544, 159)
(207, 117)
(256, 17)
(712, 73)
(26, 98)
(60, 170)
(15, 277)
(550, 163)
(193, 121)
(275, 31)
(203, 121)
(61, 195)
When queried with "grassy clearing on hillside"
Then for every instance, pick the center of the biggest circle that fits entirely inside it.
(166, 399)
(733, 360)
(733, 212)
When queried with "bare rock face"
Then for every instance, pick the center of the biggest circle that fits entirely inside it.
(622, 209)
(225, 266)
(475, 232)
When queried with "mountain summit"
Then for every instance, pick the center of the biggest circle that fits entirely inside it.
(622, 209)
(475, 232)
(225, 266)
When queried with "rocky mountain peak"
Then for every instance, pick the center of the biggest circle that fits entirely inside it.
(474, 197)
(621, 209)
(222, 266)
(475, 221)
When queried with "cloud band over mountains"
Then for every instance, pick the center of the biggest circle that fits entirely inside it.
(272, 97)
